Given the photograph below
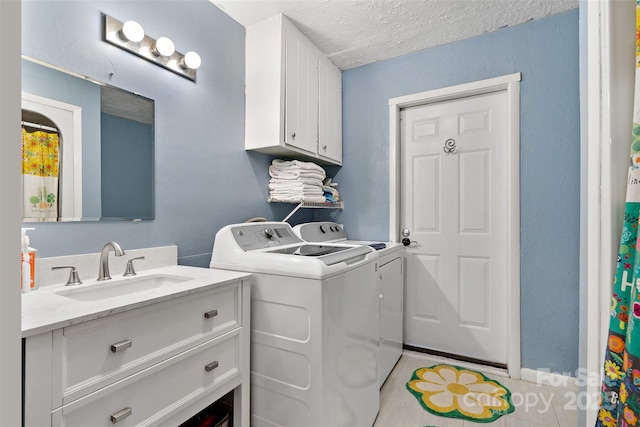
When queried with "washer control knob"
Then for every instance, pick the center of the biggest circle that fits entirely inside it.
(323, 229)
(268, 233)
(331, 228)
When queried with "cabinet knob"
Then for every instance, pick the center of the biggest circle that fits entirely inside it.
(211, 314)
(324, 147)
(293, 135)
(211, 366)
(119, 346)
(120, 415)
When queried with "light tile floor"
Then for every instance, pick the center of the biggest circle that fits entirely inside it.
(536, 405)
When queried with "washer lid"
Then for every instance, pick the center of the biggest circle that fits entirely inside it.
(309, 250)
(328, 254)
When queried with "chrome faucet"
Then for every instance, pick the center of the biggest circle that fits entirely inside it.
(103, 273)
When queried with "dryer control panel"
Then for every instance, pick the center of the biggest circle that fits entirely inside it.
(323, 231)
(253, 236)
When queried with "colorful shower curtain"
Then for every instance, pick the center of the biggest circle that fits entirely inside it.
(40, 165)
(620, 396)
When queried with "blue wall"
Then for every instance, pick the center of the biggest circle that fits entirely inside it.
(126, 168)
(204, 179)
(545, 51)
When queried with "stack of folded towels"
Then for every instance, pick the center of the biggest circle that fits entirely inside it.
(296, 181)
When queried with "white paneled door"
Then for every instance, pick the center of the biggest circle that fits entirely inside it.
(454, 207)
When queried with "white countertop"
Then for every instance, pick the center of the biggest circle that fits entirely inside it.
(44, 310)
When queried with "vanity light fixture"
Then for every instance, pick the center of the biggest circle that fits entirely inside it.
(163, 47)
(131, 37)
(190, 60)
(132, 31)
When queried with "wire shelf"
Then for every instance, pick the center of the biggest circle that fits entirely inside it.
(313, 205)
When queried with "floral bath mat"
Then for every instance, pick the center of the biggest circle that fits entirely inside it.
(454, 392)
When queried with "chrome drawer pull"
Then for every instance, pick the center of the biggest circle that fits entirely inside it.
(210, 314)
(121, 345)
(120, 415)
(211, 366)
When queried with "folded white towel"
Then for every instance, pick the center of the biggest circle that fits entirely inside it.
(294, 195)
(273, 183)
(297, 190)
(297, 199)
(295, 174)
(296, 181)
(296, 165)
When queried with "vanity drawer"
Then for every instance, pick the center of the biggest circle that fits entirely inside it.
(97, 353)
(154, 394)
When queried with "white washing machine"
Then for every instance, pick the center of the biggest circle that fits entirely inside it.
(314, 325)
(391, 288)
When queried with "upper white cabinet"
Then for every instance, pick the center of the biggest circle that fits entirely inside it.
(301, 92)
(329, 111)
(293, 95)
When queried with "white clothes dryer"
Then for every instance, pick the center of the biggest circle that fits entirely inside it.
(391, 287)
(314, 328)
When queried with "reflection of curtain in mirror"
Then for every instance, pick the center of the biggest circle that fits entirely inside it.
(40, 165)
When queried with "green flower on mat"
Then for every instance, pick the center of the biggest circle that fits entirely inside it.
(455, 392)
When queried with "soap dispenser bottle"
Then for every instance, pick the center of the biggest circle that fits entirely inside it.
(29, 264)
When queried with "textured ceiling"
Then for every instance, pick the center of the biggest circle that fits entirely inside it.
(358, 32)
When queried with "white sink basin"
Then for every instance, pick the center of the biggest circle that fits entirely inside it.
(125, 286)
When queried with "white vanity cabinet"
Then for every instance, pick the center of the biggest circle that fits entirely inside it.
(158, 364)
(293, 95)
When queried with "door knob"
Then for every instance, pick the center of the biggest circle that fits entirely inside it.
(406, 241)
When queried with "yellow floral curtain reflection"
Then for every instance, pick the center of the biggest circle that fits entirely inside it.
(40, 173)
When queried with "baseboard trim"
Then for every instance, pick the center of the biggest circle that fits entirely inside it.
(454, 356)
(432, 360)
(547, 378)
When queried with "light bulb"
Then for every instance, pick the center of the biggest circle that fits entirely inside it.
(132, 31)
(163, 47)
(190, 60)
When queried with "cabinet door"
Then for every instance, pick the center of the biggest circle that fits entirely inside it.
(301, 92)
(330, 110)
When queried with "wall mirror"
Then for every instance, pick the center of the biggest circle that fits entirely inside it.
(88, 148)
